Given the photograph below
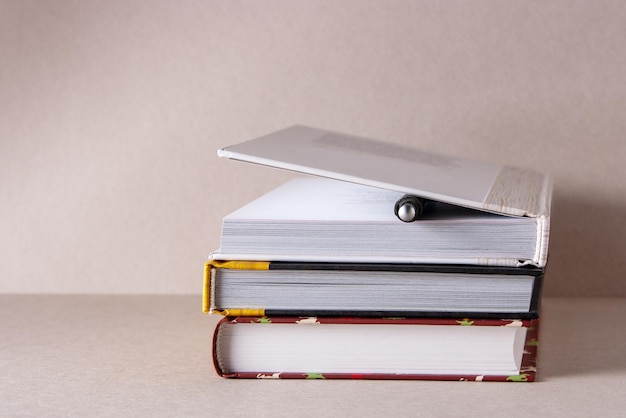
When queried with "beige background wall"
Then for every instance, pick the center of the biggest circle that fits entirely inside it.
(111, 113)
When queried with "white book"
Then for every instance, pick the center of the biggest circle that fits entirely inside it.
(477, 212)
(321, 220)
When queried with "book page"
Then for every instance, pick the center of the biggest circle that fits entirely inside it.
(370, 348)
(313, 198)
(319, 199)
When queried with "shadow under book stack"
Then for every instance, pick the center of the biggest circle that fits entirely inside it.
(319, 279)
(330, 276)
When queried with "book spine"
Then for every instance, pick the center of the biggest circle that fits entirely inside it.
(207, 288)
(240, 264)
(249, 312)
(215, 352)
(543, 238)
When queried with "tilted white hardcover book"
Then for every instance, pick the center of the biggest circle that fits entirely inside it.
(507, 222)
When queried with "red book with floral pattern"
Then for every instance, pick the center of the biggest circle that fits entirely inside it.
(461, 349)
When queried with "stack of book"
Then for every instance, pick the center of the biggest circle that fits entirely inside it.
(333, 275)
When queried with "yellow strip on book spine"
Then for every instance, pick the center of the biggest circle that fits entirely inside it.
(240, 265)
(206, 288)
(242, 312)
(229, 264)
